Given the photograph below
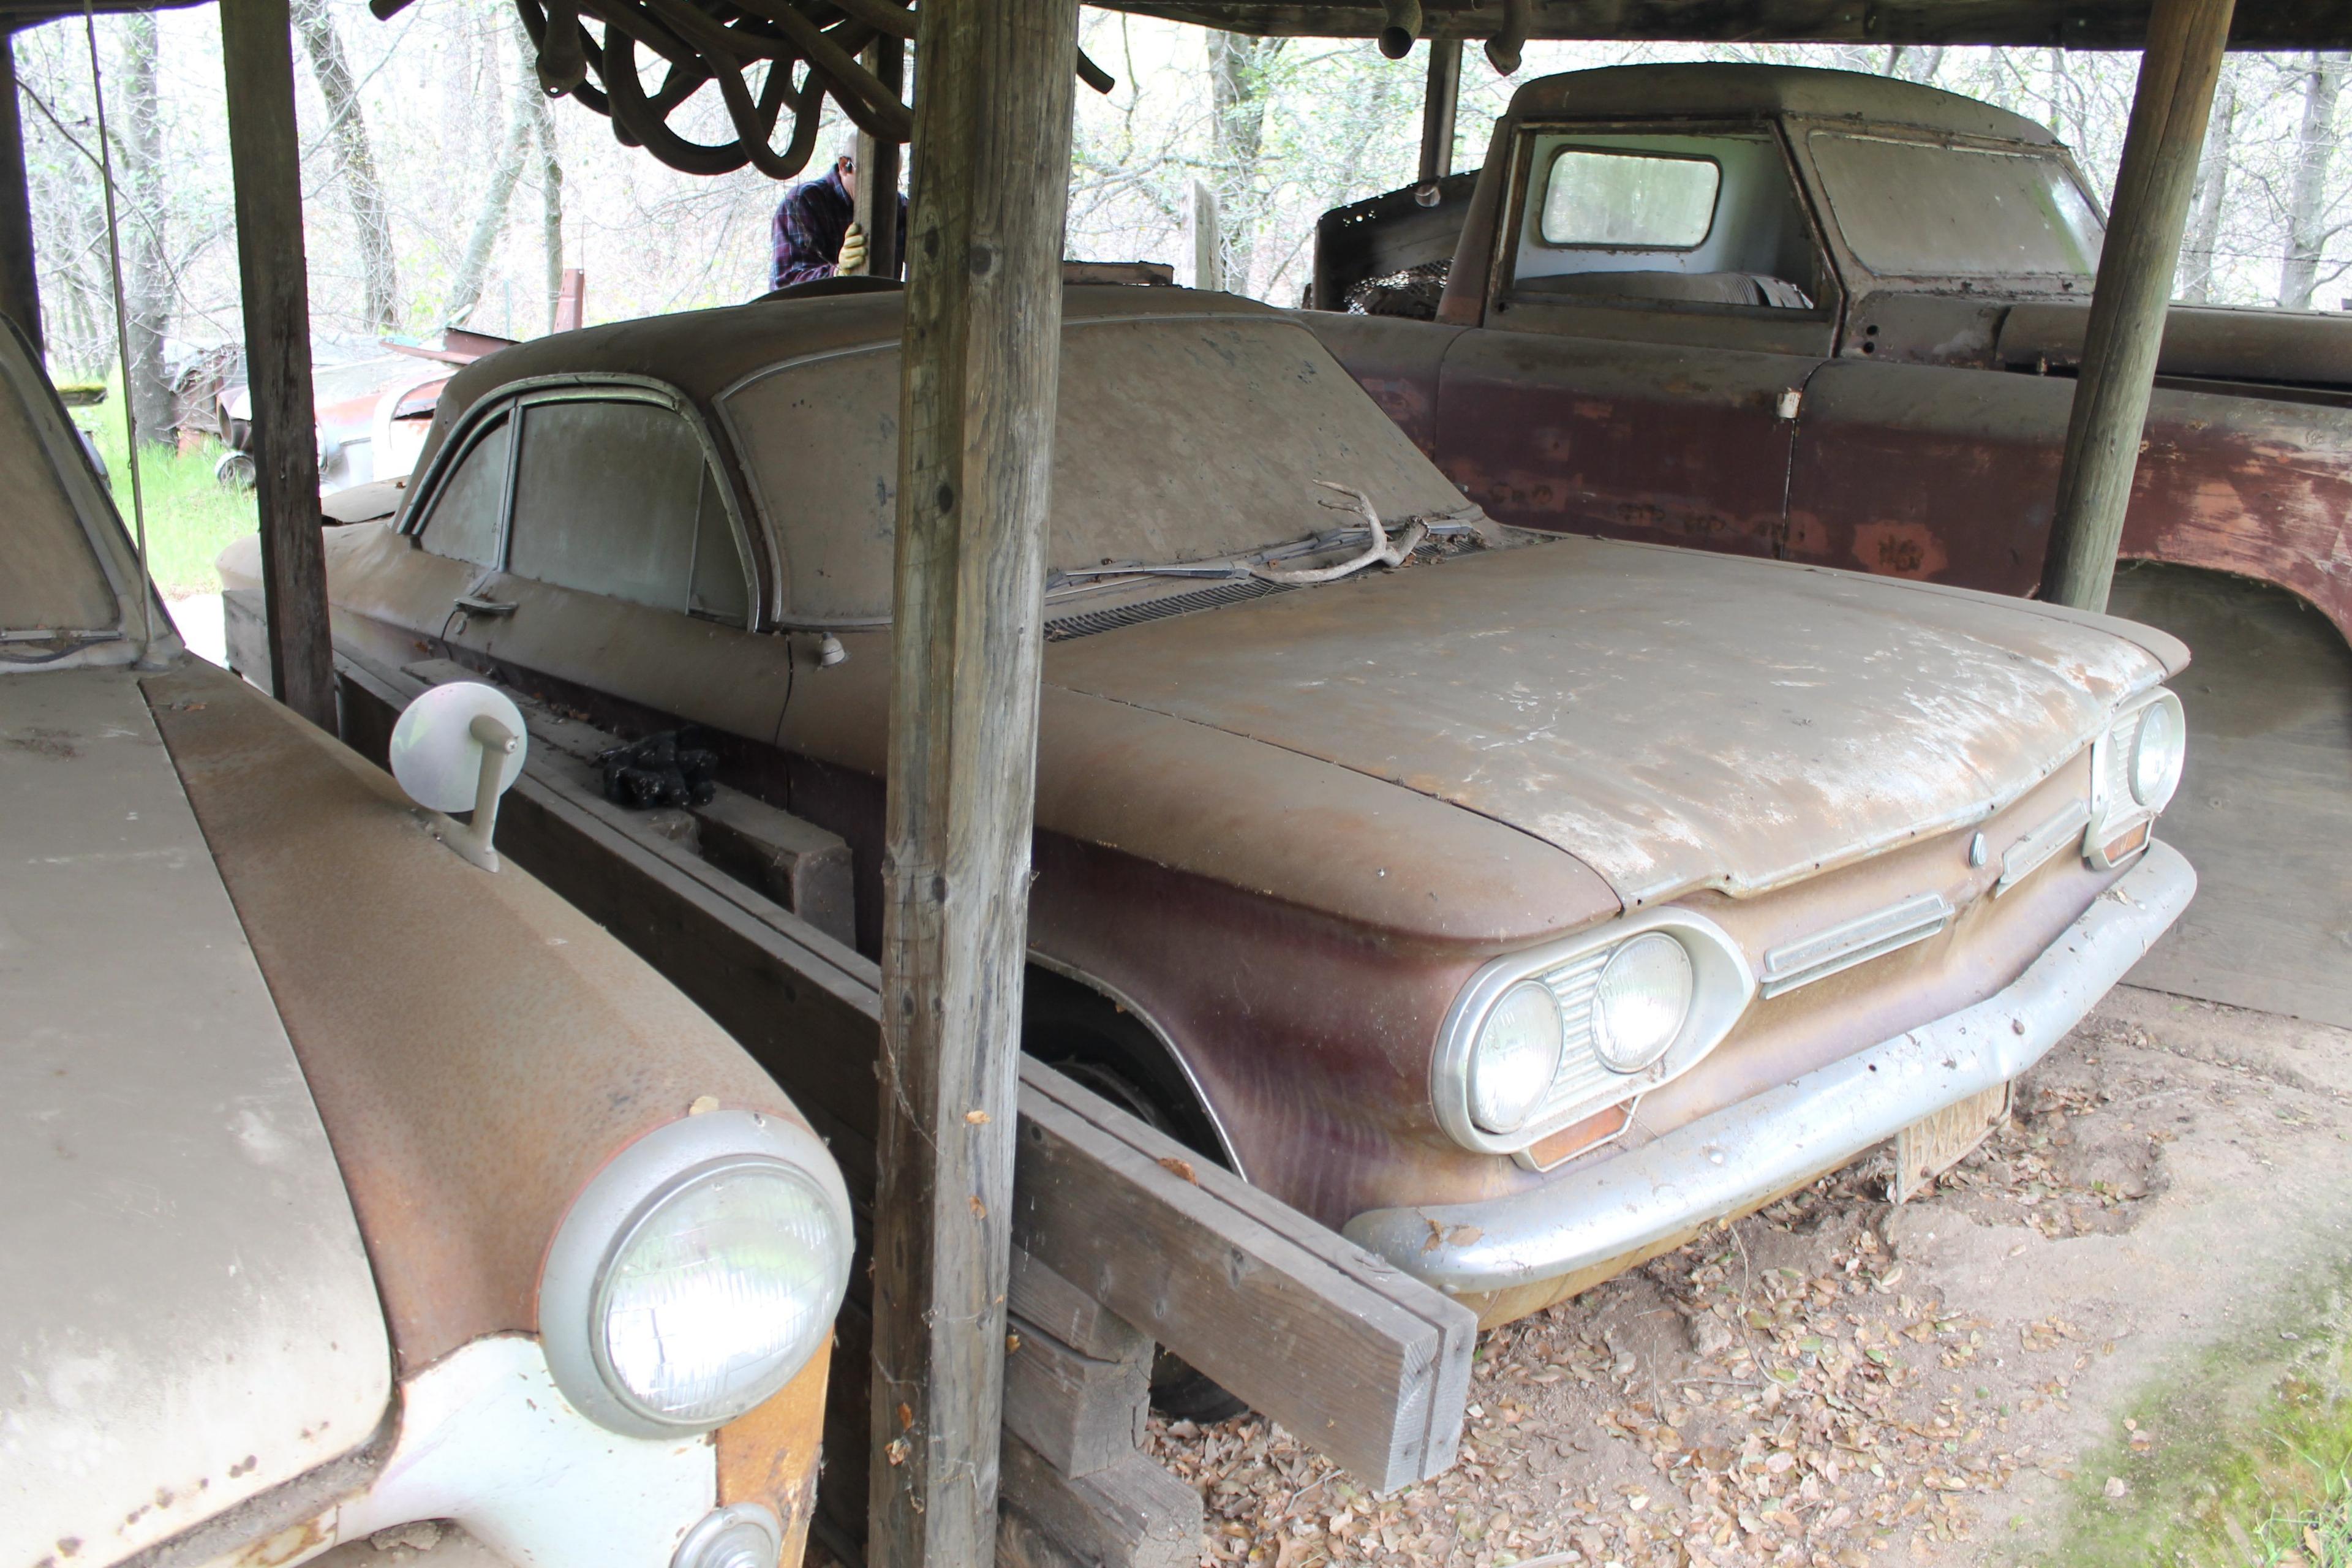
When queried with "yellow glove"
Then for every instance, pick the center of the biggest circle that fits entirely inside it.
(851, 258)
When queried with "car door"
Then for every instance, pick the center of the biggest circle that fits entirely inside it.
(607, 562)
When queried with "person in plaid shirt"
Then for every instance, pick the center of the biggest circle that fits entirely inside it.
(813, 234)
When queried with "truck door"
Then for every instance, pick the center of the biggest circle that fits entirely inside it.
(1659, 297)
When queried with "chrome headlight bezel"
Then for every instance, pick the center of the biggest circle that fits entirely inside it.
(618, 1200)
(2115, 809)
(1723, 986)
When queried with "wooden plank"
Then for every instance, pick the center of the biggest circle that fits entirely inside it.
(1120, 1230)
(2132, 295)
(20, 283)
(1359, 1361)
(1132, 1515)
(879, 165)
(2028, 23)
(265, 160)
(1080, 1412)
(980, 360)
(1441, 102)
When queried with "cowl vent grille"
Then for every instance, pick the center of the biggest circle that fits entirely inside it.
(1063, 628)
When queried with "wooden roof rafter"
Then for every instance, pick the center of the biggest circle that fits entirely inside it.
(2042, 24)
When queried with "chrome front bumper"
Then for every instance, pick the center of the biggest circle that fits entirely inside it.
(1724, 1163)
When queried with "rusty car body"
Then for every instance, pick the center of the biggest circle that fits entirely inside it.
(1845, 331)
(336, 1166)
(1318, 846)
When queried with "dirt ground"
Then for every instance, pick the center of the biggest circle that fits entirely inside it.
(2039, 1361)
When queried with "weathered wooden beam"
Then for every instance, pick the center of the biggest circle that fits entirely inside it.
(2169, 109)
(20, 283)
(265, 162)
(878, 163)
(1132, 1515)
(1440, 103)
(1081, 1413)
(981, 359)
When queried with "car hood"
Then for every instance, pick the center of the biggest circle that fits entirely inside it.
(1675, 720)
(185, 1308)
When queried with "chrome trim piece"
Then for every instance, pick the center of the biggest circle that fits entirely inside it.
(611, 1204)
(2114, 811)
(1723, 986)
(2036, 849)
(1724, 1163)
(1865, 937)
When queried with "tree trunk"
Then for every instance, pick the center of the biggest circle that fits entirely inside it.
(474, 266)
(2306, 233)
(1237, 101)
(146, 272)
(2212, 187)
(347, 129)
(550, 187)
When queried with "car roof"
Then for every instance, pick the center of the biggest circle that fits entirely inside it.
(703, 353)
(1728, 88)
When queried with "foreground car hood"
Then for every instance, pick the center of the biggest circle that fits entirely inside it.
(1673, 718)
(186, 1312)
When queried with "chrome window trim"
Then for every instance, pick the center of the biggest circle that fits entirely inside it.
(513, 398)
(1724, 985)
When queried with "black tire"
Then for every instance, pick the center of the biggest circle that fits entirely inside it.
(1079, 1032)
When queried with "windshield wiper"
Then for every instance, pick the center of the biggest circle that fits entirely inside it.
(1262, 564)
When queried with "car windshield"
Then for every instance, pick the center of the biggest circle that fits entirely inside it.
(1925, 209)
(1181, 438)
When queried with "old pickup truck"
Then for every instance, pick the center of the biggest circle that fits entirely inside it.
(1832, 317)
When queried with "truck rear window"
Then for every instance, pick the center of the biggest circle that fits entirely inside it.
(1915, 209)
(1615, 200)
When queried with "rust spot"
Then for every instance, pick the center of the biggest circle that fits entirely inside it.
(1899, 549)
(293, 1542)
(55, 744)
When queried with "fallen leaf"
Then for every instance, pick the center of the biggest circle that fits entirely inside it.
(1178, 1167)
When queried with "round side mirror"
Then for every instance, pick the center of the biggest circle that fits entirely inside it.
(435, 754)
(457, 746)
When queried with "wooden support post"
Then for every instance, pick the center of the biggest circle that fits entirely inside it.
(1439, 103)
(981, 356)
(877, 168)
(20, 284)
(265, 160)
(2175, 96)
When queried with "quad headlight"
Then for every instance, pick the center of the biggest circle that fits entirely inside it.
(2159, 748)
(695, 1274)
(1544, 1038)
(1516, 1057)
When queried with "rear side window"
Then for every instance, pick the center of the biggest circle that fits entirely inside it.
(464, 522)
(605, 498)
(1619, 200)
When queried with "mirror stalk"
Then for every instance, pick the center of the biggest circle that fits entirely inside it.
(473, 840)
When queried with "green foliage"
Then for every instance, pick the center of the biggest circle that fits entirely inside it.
(2245, 1457)
(191, 517)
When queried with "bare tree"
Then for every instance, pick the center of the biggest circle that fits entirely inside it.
(347, 130)
(490, 217)
(146, 272)
(550, 191)
(1240, 88)
(2213, 189)
(2307, 229)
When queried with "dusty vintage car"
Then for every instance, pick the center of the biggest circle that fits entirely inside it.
(1829, 317)
(1518, 904)
(350, 1187)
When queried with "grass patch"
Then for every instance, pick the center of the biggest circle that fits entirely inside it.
(2251, 1461)
(191, 518)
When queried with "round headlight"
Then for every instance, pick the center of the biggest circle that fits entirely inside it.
(717, 1291)
(1639, 1005)
(695, 1274)
(2158, 751)
(1516, 1058)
